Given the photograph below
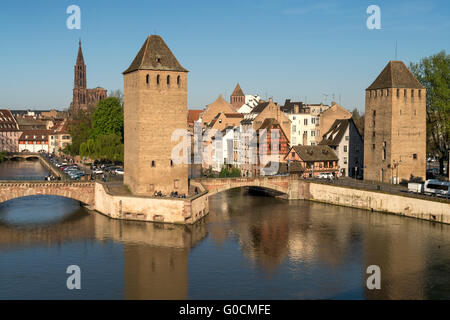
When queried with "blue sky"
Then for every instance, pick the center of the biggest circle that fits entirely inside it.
(279, 48)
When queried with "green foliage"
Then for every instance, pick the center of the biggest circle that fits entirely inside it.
(108, 147)
(2, 156)
(434, 74)
(227, 173)
(107, 118)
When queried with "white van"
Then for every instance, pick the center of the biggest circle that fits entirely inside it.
(437, 188)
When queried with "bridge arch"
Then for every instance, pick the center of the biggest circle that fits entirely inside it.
(216, 185)
(80, 191)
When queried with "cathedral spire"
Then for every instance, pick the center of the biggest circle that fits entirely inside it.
(80, 59)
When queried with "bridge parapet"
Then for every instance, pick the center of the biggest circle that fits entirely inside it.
(81, 191)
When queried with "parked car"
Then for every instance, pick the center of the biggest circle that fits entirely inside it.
(325, 175)
(415, 187)
(119, 171)
(97, 171)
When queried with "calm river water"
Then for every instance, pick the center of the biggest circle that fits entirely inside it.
(248, 247)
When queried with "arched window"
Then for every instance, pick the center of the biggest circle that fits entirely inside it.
(147, 79)
(178, 81)
(171, 163)
(168, 80)
(153, 163)
(157, 79)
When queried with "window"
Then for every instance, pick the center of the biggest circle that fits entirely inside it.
(176, 184)
(171, 163)
(404, 93)
(412, 93)
(346, 138)
(168, 80)
(305, 122)
(293, 154)
(313, 133)
(147, 79)
(373, 133)
(157, 79)
(294, 128)
(345, 148)
(345, 160)
(398, 93)
(415, 156)
(178, 81)
(420, 93)
(373, 146)
(153, 163)
(383, 155)
(374, 113)
(313, 120)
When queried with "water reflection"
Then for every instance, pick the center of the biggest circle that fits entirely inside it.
(18, 169)
(248, 247)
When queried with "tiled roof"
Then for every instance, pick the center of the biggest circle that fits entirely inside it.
(315, 153)
(7, 121)
(335, 134)
(155, 55)
(193, 115)
(34, 135)
(238, 92)
(395, 75)
(260, 107)
(234, 115)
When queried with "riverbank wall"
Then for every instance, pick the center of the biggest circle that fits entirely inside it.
(431, 210)
(151, 209)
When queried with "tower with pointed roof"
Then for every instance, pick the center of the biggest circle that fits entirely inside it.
(155, 105)
(395, 126)
(237, 98)
(83, 97)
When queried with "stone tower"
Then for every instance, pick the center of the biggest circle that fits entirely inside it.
(395, 126)
(155, 105)
(237, 98)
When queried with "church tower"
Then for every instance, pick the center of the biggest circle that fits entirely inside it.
(155, 105)
(237, 98)
(79, 86)
(395, 126)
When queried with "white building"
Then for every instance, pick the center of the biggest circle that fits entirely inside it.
(226, 148)
(34, 141)
(251, 101)
(305, 122)
(345, 139)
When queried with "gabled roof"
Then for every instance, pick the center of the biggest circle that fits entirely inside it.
(395, 75)
(238, 92)
(260, 107)
(155, 55)
(335, 134)
(315, 153)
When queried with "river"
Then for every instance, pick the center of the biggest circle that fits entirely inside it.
(248, 247)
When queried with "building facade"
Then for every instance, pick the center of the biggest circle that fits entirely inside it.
(34, 141)
(83, 97)
(395, 126)
(310, 161)
(345, 139)
(9, 132)
(155, 105)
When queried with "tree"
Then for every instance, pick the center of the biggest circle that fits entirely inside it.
(117, 94)
(434, 74)
(107, 118)
(109, 147)
(358, 119)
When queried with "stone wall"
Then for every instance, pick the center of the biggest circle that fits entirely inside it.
(153, 209)
(81, 191)
(379, 201)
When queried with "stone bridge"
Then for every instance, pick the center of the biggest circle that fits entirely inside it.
(81, 191)
(22, 155)
(290, 186)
